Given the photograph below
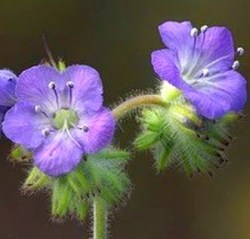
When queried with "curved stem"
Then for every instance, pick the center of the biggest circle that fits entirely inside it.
(100, 219)
(136, 102)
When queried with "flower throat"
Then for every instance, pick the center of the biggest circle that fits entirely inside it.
(65, 118)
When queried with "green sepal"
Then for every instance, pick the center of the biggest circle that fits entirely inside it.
(61, 65)
(19, 154)
(36, 180)
(107, 176)
(146, 139)
(98, 175)
(162, 154)
(177, 136)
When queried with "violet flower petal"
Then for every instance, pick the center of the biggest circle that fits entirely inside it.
(23, 125)
(87, 91)
(58, 155)
(101, 126)
(217, 95)
(33, 86)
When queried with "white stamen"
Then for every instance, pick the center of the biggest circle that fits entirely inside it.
(194, 32)
(204, 28)
(46, 132)
(240, 51)
(52, 85)
(71, 137)
(236, 65)
(205, 72)
(70, 84)
(38, 109)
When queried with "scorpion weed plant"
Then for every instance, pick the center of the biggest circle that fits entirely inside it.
(56, 120)
(58, 113)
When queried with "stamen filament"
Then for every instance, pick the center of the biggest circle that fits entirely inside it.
(70, 85)
(65, 128)
(46, 132)
(52, 86)
(194, 65)
(38, 109)
(240, 51)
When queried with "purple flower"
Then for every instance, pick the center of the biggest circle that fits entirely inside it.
(59, 116)
(201, 64)
(7, 92)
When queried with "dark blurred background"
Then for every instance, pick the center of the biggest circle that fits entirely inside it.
(117, 37)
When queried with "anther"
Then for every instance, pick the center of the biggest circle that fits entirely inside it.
(38, 109)
(240, 51)
(194, 32)
(84, 128)
(205, 72)
(236, 65)
(70, 84)
(204, 28)
(52, 85)
(46, 132)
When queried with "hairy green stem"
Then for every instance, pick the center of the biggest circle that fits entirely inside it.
(100, 219)
(136, 102)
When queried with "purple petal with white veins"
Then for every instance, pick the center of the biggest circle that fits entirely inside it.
(166, 66)
(23, 125)
(214, 50)
(217, 95)
(7, 88)
(33, 86)
(58, 155)
(101, 126)
(176, 35)
(87, 90)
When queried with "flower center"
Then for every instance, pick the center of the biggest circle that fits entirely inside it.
(65, 118)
